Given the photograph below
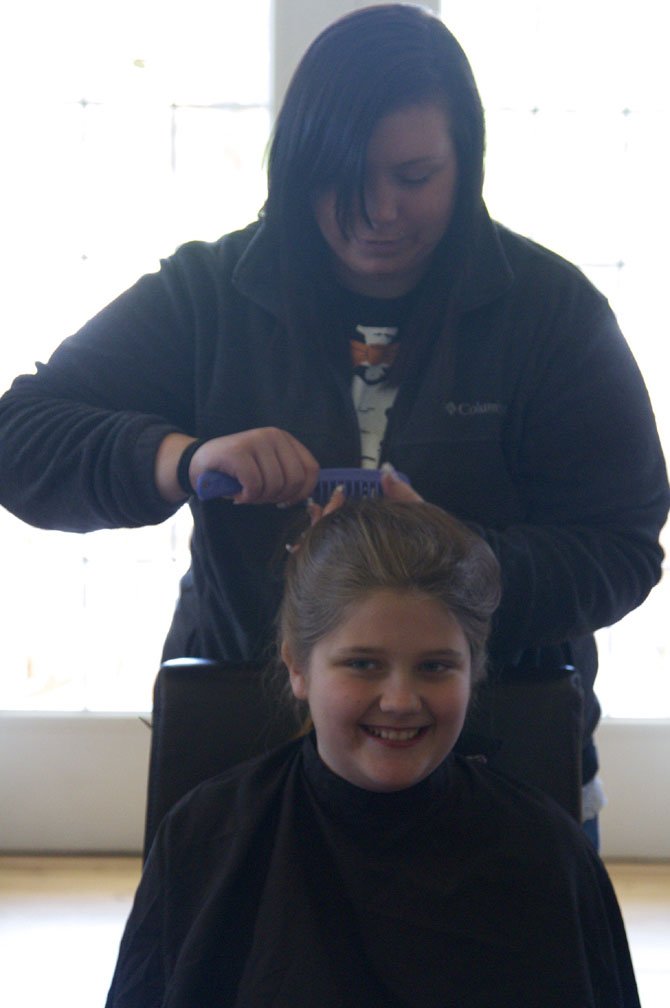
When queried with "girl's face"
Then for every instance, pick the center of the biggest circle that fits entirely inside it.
(410, 186)
(387, 689)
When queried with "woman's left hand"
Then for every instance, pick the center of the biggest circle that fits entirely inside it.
(315, 511)
(396, 489)
(393, 488)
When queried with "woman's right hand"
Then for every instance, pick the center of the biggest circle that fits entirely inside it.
(272, 466)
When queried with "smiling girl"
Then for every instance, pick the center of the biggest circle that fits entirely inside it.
(365, 864)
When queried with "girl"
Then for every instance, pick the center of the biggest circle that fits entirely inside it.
(364, 864)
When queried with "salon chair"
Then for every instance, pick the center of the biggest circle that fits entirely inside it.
(208, 716)
(532, 730)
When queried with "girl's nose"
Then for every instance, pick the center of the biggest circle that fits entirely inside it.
(399, 696)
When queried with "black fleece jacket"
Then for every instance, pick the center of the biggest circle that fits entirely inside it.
(531, 422)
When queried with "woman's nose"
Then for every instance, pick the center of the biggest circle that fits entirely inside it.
(381, 203)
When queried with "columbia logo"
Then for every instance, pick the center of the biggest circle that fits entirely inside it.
(467, 409)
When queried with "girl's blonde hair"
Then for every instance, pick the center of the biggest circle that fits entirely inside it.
(370, 545)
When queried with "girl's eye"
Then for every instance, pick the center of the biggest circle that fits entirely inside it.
(436, 669)
(362, 666)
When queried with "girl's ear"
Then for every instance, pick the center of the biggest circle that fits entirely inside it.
(296, 678)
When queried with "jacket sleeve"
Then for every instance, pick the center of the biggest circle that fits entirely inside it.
(78, 439)
(591, 479)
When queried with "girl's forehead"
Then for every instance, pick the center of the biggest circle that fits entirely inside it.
(385, 608)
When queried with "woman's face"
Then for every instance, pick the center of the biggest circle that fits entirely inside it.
(387, 689)
(410, 184)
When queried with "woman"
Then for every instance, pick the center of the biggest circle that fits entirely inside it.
(364, 864)
(374, 313)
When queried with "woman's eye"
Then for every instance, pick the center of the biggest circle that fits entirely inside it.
(412, 181)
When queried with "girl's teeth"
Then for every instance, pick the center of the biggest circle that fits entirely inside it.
(395, 734)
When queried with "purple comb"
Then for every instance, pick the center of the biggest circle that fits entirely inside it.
(356, 483)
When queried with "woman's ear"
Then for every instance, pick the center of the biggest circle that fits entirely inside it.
(296, 678)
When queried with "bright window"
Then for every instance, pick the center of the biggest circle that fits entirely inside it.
(576, 100)
(133, 126)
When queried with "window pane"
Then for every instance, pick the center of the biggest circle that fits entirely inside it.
(88, 614)
(219, 169)
(161, 51)
(132, 127)
(575, 97)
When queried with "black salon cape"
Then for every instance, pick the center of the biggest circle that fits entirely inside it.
(280, 885)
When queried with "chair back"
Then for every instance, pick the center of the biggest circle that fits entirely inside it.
(207, 717)
(533, 730)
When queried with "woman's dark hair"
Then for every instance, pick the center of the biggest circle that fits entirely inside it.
(373, 545)
(361, 68)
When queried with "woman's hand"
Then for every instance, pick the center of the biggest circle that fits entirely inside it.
(316, 512)
(396, 489)
(393, 488)
(272, 466)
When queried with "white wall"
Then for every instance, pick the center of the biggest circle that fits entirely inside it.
(635, 761)
(72, 782)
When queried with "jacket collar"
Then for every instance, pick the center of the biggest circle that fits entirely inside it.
(257, 274)
(491, 274)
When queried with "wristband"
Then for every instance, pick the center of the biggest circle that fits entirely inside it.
(184, 464)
